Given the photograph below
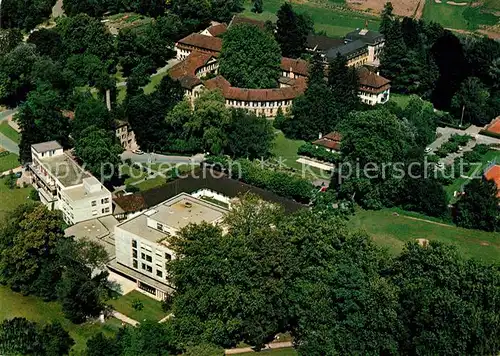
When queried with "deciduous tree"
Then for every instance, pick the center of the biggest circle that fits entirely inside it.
(478, 208)
(250, 58)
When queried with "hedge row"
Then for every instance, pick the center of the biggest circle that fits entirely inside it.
(280, 183)
(319, 153)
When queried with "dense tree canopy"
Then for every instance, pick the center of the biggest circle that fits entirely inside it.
(292, 30)
(478, 208)
(25, 14)
(19, 336)
(250, 58)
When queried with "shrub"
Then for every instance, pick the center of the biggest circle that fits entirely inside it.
(472, 156)
(433, 158)
(481, 149)
(131, 188)
(461, 140)
(280, 183)
(320, 153)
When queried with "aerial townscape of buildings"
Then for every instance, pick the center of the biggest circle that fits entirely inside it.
(198, 54)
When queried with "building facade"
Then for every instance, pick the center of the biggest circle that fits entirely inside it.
(126, 136)
(142, 242)
(63, 185)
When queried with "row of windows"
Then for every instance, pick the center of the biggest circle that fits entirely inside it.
(147, 268)
(263, 104)
(103, 201)
(103, 211)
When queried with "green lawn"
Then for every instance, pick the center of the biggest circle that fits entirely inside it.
(151, 183)
(9, 132)
(11, 198)
(155, 80)
(286, 150)
(392, 232)
(152, 308)
(32, 308)
(133, 174)
(328, 16)
(275, 352)
(459, 17)
(8, 162)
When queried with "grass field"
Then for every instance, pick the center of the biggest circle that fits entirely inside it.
(461, 17)
(11, 198)
(32, 308)
(152, 308)
(151, 183)
(392, 232)
(328, 16)
(9, 132)
(9, 162)
(286, 149)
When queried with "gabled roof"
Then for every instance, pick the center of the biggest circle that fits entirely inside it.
(297, 66)
(370, 79)
(201, 41)
(243, 94)
(367, 36)
(346, 49)
(322, 43)
(330, 141)
(43, 147)
(494, 126)
(245, 20)
(217, 30)
(494, 174)
(185, 71)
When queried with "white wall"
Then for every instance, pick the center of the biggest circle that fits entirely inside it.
(214, 195)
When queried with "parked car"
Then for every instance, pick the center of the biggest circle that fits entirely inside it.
(440, 165)
(428, 149)
(138, 152)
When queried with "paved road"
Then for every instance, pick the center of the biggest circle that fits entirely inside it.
(169, 65)
(6, 142)
(158, 158)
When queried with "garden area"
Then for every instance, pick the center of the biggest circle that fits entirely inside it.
(328, 16)
(138, 306)
(34, 309)
(453, 145)
(8, 161)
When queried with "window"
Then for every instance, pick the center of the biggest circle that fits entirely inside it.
(134, 253)
(143, 255)
(105, 201)
(105, 210)
(134, 243)
(159, 273)
(94, 212)
(149, 258)
(168, 256)
(94, 203)
(134, 263)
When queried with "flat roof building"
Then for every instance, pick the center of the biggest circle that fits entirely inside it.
(63, 185)
(142, 241)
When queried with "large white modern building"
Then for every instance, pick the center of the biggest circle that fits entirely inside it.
(142, 242)
(63, 185)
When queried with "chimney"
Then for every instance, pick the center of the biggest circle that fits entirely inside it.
(108, 99)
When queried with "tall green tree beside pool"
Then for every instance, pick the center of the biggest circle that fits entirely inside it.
(250, 58)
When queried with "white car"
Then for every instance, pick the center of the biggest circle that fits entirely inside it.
(138, 152)
(440, 165)
(428, 149)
